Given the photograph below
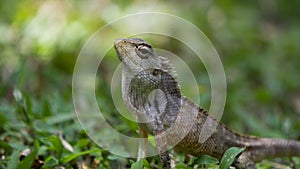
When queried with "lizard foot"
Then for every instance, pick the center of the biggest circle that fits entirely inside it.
(243, 162)
(165, 160)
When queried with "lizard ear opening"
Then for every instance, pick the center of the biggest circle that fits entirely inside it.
(155, 72)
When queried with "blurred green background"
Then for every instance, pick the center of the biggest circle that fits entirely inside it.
(258, 42)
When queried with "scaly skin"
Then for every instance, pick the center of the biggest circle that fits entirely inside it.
(151, 92)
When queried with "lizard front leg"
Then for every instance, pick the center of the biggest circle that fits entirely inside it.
(155, 108)
(160, 140)
(162, 149)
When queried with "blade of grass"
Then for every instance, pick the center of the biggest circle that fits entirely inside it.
(229, 157)
(27, 162)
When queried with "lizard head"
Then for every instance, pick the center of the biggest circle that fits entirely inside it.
(148, 86)
(137, 55)
(139, 60)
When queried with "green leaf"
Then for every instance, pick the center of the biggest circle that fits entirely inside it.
(73, 156)
(56, 145)
(59, 118)
(3, 120)
(14, 160)
(51, 161)
(146, 163)
(22, 105)
(83, 142)
(181, 158)
(296, 161)
(8, 149)
(152, 140)
(27, 162)
(229, 157)
(206, 159)
(143, 163)
(181, 166)
(137, 165)
(112, 157)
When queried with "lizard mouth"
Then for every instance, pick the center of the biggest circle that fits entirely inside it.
(122, 52)
(118, 47)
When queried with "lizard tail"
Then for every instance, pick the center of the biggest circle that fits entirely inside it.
(269, 147)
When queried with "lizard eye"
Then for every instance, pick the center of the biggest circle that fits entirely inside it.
(144, 52)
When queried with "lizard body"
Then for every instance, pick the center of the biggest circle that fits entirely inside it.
(151, 92)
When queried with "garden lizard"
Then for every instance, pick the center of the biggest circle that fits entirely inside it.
(151, 92)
